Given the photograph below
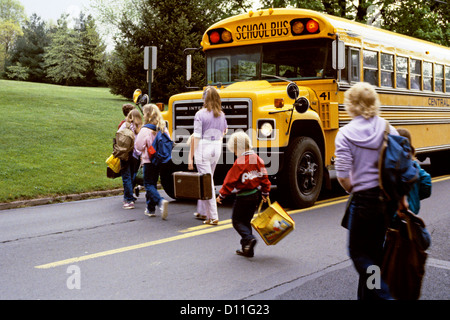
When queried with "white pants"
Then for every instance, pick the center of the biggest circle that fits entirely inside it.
(206, 157)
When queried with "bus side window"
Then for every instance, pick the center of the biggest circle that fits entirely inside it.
(351, 71)
(439, 77)
(416, 74)
(387, 70)
(370, 67)
(354, 62)
(427, 76)
(401, 68)
(344, 72)
(447, 79)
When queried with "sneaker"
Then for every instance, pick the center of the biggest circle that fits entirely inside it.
(163, 209)
(250, 246)
(149, 214)
(247, 250)
(128, 205)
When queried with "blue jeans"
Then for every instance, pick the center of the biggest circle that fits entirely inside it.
(151, 174)
(243, 210)
(128, 171)
(368, 221)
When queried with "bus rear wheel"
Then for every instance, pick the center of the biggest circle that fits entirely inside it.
(303, 172)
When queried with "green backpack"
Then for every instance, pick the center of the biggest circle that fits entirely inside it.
(123, 144)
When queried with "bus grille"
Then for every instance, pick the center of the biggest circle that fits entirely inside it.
(237, 113)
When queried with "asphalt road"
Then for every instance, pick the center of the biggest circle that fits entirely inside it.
(93, 249)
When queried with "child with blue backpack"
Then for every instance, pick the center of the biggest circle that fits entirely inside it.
(422, 188)
(153, 123)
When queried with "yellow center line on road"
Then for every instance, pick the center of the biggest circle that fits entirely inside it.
(439, 179)
(318, 204)
(129, 248)
(192, 232)
(187, 233)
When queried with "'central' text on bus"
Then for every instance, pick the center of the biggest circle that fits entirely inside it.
(262, 30)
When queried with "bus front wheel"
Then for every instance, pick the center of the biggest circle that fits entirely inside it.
(303, 172)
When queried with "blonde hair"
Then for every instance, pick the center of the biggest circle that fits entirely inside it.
(134, 117)
(152, 115)
(362, 100)
(212, 101)
(239, 142)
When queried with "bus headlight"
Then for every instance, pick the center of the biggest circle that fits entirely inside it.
(266, 129)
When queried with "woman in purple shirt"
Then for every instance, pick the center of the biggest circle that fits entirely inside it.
(358, 146)
(210, 126)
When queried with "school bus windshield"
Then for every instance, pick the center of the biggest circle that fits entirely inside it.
(293, 60)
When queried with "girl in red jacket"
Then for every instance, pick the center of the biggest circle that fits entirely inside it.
(248, 177)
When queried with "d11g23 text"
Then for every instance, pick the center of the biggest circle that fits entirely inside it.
(246, 309)
(235, 309)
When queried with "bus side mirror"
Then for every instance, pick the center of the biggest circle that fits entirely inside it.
(186, 52)
(301, 104)
(188, 67)
(292, 91)
(338, 54)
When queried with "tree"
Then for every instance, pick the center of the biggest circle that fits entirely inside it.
(124, 70)
(18, 72)
(29, 49)
(93, 50)
(353, 10)
(64, 58)
(171, 26)
(400, 16)
(12, 15)
(75, 56)
(433, 25)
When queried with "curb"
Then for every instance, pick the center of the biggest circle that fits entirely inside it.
(57, 199)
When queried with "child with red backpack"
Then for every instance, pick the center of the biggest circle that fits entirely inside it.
(249, 177)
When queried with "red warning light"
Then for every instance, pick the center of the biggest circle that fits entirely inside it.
(312, 26)
(214, 37)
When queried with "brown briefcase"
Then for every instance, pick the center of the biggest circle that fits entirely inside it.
(192, 185)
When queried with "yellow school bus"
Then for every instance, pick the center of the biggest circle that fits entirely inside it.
(253, 58)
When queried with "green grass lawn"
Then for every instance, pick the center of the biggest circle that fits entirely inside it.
(54, 139)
